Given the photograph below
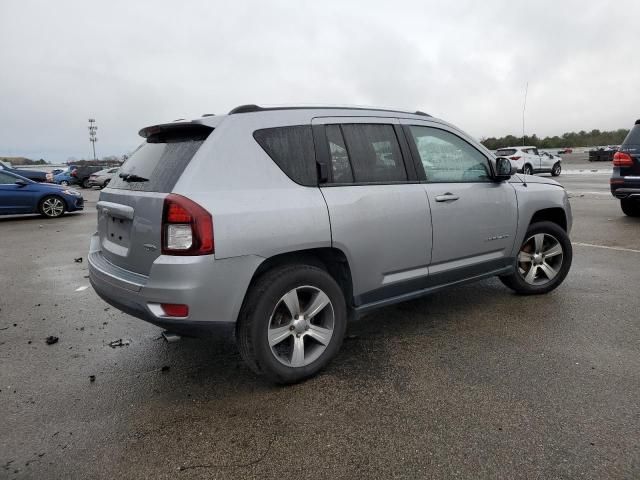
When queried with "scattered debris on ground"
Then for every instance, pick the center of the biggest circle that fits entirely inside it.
(165, 368)
(82, 288)
(92, 378)
(78, 260)
(51, 340)
(119, 343)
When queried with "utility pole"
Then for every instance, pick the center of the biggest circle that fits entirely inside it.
(92, 135)
(524, 107)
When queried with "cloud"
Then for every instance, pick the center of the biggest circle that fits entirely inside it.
(130, 64)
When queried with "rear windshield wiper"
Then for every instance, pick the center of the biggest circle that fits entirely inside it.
(132, 177)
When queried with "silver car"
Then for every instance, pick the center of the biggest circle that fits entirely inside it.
(277, 225)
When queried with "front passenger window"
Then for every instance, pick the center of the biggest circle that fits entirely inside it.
(447, 157)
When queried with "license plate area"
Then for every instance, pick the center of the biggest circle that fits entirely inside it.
(118, 230)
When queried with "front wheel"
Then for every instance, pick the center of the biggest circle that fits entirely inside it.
(527, 170)
(630, 208)
(64, 183)
(543, 261)
(555, 171)
(292, 323)
(51, 207)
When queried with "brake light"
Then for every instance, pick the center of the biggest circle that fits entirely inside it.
(514, 158)
(621, 159)
(187, 228)
(175, 309)
(74, 173)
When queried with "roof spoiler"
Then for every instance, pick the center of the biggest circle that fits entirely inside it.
(187, 130)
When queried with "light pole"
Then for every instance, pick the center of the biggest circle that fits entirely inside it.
(524, 107)
(92, 135)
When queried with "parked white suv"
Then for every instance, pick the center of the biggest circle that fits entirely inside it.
(530, 160)
(278, 224)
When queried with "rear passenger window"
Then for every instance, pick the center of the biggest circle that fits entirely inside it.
(373, 153)
(340, 165)
(291, 148)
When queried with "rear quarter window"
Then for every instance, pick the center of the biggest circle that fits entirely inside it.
(292, 149)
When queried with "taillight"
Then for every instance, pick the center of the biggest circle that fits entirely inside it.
(74, 173)
(187, 228)
(621, 159)
(514, 158)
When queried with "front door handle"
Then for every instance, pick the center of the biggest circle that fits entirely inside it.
(447, 197)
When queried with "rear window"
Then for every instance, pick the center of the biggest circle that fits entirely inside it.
(157, 164)
(291, 148)
(505, 152)
(633, 138)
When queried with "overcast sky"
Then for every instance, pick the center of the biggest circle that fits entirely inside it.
(134, 63)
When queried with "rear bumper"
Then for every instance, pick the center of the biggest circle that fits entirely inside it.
(625, 186)
(213, 289)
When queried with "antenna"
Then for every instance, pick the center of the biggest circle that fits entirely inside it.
(93, 128)
(524, 107)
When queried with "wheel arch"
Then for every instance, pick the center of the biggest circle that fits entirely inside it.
(48, 195)
(331, 259)
(555, 215)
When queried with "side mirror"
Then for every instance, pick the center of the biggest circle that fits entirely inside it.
(21, 183)
(504, 169)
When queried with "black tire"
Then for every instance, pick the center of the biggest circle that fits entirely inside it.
(64, 183)
(260, 304)
(85, 183)
(556, 169)
(48, 206)
(105, 184)
(516, 281)
(631, 208)
(527, 169)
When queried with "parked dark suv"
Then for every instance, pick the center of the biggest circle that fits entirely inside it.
(625, 180)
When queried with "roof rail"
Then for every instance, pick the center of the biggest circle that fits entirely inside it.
(255, 108)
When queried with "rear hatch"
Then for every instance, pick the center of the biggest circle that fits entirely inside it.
(130, 209)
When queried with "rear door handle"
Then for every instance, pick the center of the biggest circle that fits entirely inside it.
(447, 197)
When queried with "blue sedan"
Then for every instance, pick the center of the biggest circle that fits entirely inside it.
(21, 195)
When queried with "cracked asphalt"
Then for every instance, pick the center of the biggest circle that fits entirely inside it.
(471, 382)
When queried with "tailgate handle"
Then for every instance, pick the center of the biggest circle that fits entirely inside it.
(115, 209)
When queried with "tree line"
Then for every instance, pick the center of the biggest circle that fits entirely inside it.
(570, 139)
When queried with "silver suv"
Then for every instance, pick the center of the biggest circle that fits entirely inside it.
(279, 224)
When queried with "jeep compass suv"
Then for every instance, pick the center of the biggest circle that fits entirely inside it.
(279, 224)
(625, 180)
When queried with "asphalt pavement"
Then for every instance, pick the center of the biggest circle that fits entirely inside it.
(471, 382)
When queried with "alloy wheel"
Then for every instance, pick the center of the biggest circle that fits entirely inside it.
(53, 207)
(540, 259)
(301, 326)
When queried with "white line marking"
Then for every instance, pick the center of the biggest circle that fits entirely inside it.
(586, 192)
(82, 288)
(620, 249)
(587, 171)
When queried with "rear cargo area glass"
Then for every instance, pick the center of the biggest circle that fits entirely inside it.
(160, 162)
(633, 138)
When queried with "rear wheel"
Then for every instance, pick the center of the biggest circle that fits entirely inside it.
(292, 323)
(527, 169)
(630, 208)
(557, 168)
(543, 261)
(64, 183)
(51, 207)
(85, 183)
